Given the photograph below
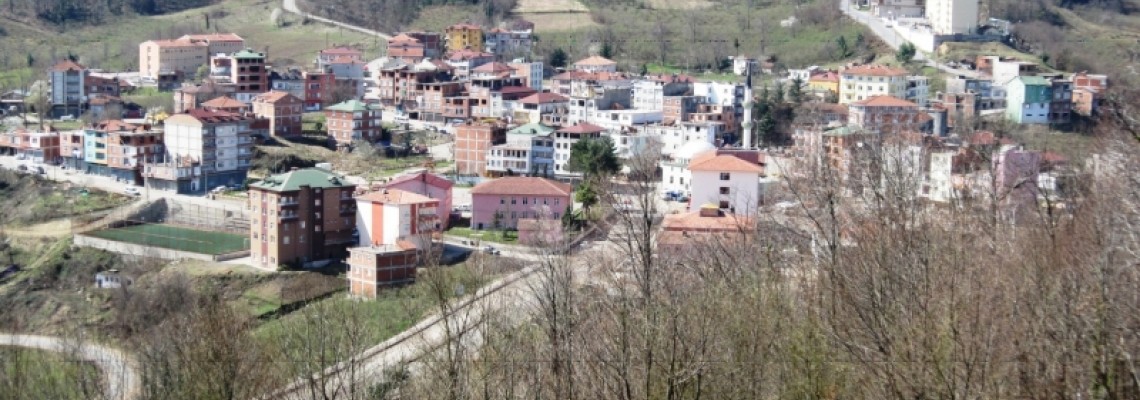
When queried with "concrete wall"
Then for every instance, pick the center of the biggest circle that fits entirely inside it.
(137, 249)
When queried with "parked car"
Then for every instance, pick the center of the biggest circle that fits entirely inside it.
(491, 250)
(218, 189)
(22, 168)
(21, 156)
(40, 170)
(131, 191)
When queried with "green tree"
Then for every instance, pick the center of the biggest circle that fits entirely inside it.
(844, 49)
(905, 53)
(607, 50)
(766, 129)
(778, 93)
(202, 72)
(558, 58)
(644, 69)
(594, 157)
(860, 41)
(795, 92)
(586, 195)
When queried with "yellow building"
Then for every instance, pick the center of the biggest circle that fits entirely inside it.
(825, 82)
(866, 81)
(464, 36)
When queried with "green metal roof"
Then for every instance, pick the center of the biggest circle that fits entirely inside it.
(1034, 80)
(533, 128)
(249, 53)
(352, 106)
(294, 180)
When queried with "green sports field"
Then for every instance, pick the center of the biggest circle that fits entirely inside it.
(176, 238)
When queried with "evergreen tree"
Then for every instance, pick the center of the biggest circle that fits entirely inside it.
(844, 50)
(558, 58)
(795, 93)
(594, 157)
(778, 93)
(905, 53)
(607, 50)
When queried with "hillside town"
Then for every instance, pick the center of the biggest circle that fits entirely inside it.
(476, 147)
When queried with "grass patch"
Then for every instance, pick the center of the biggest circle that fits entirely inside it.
(504, 236)
(176, 238)
(29, 199)
(39, 374)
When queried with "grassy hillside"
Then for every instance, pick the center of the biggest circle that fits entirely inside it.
(113, 45)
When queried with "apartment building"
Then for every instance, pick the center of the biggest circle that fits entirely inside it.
(351, 121)
(1028, 100)
(539, 107)
(1088, 92)
(529, 150)
(283, 110)
(406, 48)
(463, 61)
(885, 114)
(508, 43)
(426, 184)
(204, 149)
(226, 104)
(865, 81)
(529, 71)
(191, 96)
(395, 227)
(130, 148)
(40, 147)
(300, 218)
(948, 17)
(464, 37)
(245, 70)
(68, 81)
(472, 142)
(501, 203)
(327, 56)
(650, 93)
(319, 88)
(730, 182)
(564, 139)
(184, 55)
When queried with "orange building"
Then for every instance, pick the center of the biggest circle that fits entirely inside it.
(472, 140)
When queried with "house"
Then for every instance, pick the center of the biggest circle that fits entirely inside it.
(191, 96)
(184, 55)
(596, 64)
(351, 121)
(675, 174)
(204, 149)
(319, 90)
(68, 80)
(501, 203)
(464, 37)
(110, 279)
(533, 108)
(395, 227)
(226, 104)
(1088, 92)
(683, 233)
(564, 139)
(472, 141)
(465, 60)
(326, 56)
(861, 82)
(300, 217)
(406, 48)
(129, 148)
(1028, 99)
(507, 43)
(101, 106)
(529, 150)
(1004, 70)
(283, 110)
(728, 181)
(427, 184)
(245, 70)
(828, 81)
(885, 114)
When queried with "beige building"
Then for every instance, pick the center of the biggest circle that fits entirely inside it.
(866, 81)
(185, 54)
(299, 217)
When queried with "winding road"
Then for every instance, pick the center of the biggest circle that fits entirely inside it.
(122, 378)
(291, 6)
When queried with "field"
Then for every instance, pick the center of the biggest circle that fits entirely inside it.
(29, 200)
(176, 238)
(39, 374)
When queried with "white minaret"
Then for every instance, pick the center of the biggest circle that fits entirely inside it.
(746, 125)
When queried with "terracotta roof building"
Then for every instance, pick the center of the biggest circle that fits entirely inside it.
(300, 217)
(501, 203)
(596, 64)
(283, 110)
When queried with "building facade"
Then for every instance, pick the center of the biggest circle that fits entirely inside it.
(862, 82)
(948, 17)
(351, 121)
(472, 141)
(204, 149)
(283, 110)
(501, 203)
(300, 217)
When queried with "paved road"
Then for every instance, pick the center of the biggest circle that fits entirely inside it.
(291, 6)
(892, 38)
(122, 378)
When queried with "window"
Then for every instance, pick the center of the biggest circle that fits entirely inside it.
(502, 200)
(513, 200)
(723, 190)
(724, 176)
(286, 240)
(524, 200)
(301, 239)
(318, 215)
(723, 204)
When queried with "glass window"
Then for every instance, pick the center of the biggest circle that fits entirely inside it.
(724, 176)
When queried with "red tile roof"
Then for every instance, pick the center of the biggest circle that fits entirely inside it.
(826, 76)
(544, 98)
(177, 43)
(403, 39)
(594, 61)
(467, 54)
(426, 177)
(220, 37)
(884, 101)
(522, 186)
(695, 222)
(582, 127)
(347, 51)
(874, 70)
(67, 65)
(223, 102)
(709, 161)
(274, 96)
(516, 90)
(396, 196)
(493, 68)
(208, 116)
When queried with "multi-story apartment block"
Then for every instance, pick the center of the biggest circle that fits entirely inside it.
(130, 148)
(529, 71)
(184, 55)
(823, 82)
(505, 43)
(864, 81)
(728, 181)
(300, 217)
(1028, 100)
(283, 110)
(607, 96)
(68, 82)
(891, 9)
(406, 48)
(501, 203)
(191, 96)
(948, 17)
(204, 149)
(426, 184)
(350, 121)
(472, 141)
(1005, 70)
(529, 150)
(463, 61)
(885, 114)
(596, 64)
(394, 227)
(290, 81)
(245, 70)
(464, 37)
(1061, 105)
(565, 138)
(536, 107)
(433, 104)
(319, 88)
(351, 76)
(675, 174)
(918, 90)
(71, 149)
(650, 93)
(40, 147)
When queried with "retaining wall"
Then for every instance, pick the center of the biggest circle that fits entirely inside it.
(139, 250)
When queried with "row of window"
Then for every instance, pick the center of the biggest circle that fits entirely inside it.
(532, 200)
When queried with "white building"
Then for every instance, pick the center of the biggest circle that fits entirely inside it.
(949, 17)
(650, 93)
(674, 137)
(940, 182)
(219, 143)
(618, 119)
(866, 81)
(530, 71)
(675, 174)
(529, 150)
(722, 93)
(565, 138)
(918, 89)
(741, 64)
(388, 216)
(725, 181)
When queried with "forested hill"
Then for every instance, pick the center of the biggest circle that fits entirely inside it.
(90, 12)
(394, 15)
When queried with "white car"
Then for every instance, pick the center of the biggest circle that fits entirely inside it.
(131, 191)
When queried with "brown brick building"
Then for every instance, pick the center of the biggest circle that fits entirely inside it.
(283, 110)
(351, 121)
(472, 140)
(299, 217)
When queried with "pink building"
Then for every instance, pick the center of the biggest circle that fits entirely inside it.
(427, 184)
(502, 202)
